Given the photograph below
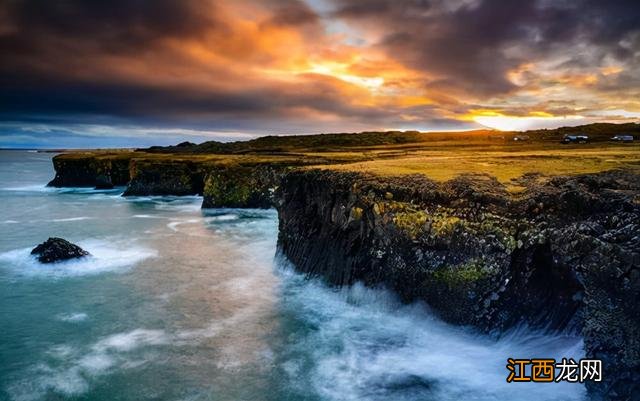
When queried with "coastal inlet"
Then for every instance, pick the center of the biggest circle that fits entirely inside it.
(177, 302)
(549, 242)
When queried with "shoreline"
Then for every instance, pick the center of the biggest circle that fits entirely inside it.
(551, 251)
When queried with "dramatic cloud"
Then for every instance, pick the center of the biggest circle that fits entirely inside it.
(285, 66)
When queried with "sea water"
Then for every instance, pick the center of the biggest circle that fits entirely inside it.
(180, 303)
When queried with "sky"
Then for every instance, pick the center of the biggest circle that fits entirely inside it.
(81, 73)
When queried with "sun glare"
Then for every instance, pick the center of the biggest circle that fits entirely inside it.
(522, 123)
(340, 71)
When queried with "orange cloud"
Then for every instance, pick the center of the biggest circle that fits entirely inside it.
(281, 64)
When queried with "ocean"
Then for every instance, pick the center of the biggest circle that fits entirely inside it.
(180, 303)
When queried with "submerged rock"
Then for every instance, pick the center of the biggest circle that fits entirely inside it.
(57, 249)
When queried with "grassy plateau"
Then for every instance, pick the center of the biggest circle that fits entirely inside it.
(437, 155)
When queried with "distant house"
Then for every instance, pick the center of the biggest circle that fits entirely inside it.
(622, 138)
(575, 139)
(521, 138)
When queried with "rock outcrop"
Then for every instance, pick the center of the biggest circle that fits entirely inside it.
(242, 186)
(165, 177)
(561, 255)
(102, 172)
(57, 249)
(231, 181)
(564, 255)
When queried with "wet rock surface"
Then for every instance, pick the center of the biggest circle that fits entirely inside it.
(562, 255)
(90, 171)
(57, 249)
(165, 178)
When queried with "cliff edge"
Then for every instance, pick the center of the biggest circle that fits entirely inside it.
(561, 255)
(485, 242)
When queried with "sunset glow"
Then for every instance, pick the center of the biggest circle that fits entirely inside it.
(518, 123)
(294, 66)
(339, 71)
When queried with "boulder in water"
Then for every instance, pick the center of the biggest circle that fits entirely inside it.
(57, 249)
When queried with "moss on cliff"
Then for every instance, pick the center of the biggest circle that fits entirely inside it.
(411, 222)
(559, 255)
(165, 178)
(103, 170)
(241, 186)
(470, 272)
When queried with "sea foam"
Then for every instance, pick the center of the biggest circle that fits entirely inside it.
(366, 345)
(73, 317)
(70, 370)
(105, 256)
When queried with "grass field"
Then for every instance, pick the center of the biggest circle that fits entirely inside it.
(505, 162)
(439, 156)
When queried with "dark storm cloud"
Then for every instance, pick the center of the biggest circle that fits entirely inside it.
(30, 101)
(293, 13)
(37, 36)
(115, 24)
(42, 41)
(283, 64)
(472, 45)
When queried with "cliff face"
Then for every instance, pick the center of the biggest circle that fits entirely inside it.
(562, 255)
(242, 186)
(221, 184)
(90, 171)
(165, 177)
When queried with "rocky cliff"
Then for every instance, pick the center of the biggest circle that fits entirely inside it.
(80, 170)
(223, 180)
(222, 183)
(242, 186)
(562, 255)
(165, 177)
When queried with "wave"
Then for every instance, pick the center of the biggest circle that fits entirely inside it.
(80, 218)
(222, 217)
(73, 317)
(62, 190)
(366, 345)
(72, 368)
(173, 226)
(147, 216)
(188, 202)
(106, 256)
(58, 220)
(30, 188)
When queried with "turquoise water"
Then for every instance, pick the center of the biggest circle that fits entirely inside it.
(178, 303)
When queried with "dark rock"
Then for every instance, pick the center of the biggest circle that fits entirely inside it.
(57, 249)
(90, 171)
(103, 181)
(165, 177)
(481, 256)
(241, 186)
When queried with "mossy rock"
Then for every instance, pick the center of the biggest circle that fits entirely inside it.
(470, 272)
(241, 187)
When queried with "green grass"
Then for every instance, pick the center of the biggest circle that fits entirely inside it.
(505, 162)
(439, 156)
(363, 141)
